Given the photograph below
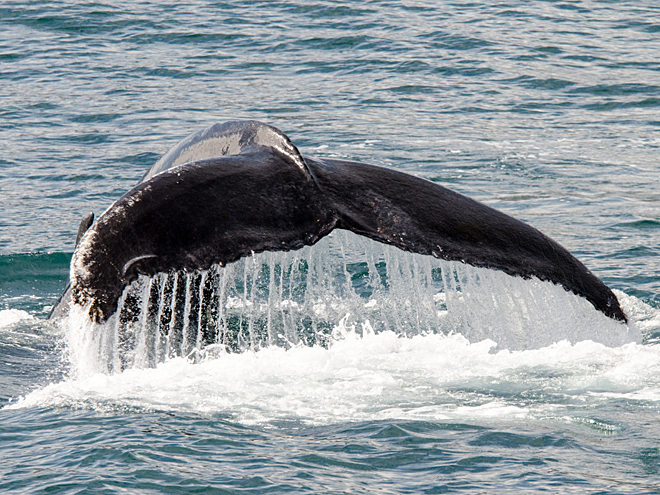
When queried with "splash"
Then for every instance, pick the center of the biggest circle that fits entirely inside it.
(288, 299)
(366, 376)
(9, 317)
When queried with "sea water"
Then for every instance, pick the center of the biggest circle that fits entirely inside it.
(349, 366)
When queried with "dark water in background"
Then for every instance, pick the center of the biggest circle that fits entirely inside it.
(547, 110)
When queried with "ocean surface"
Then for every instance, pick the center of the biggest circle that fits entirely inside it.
(414, 376)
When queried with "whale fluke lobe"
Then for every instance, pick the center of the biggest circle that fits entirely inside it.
(242, 187)
(228, 138)
(85, 224)
(420, 216)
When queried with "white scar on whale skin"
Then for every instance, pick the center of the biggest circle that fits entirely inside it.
(132, 261)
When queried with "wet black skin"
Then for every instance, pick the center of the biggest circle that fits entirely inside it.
(219, 209)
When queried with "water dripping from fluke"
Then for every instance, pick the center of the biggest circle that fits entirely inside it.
(311, 296)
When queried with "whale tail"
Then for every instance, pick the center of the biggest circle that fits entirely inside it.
(242, 187)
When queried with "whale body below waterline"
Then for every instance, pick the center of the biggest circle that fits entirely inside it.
(242, 187)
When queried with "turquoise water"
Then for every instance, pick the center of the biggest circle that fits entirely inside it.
(547, 110)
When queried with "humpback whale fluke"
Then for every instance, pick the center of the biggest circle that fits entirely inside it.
(242, 187)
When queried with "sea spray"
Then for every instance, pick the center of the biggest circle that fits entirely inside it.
(287, 299)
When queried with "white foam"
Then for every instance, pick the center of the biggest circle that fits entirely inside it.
(373, 376)
(9, 317)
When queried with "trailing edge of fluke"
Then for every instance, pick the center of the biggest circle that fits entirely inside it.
(242, 187)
